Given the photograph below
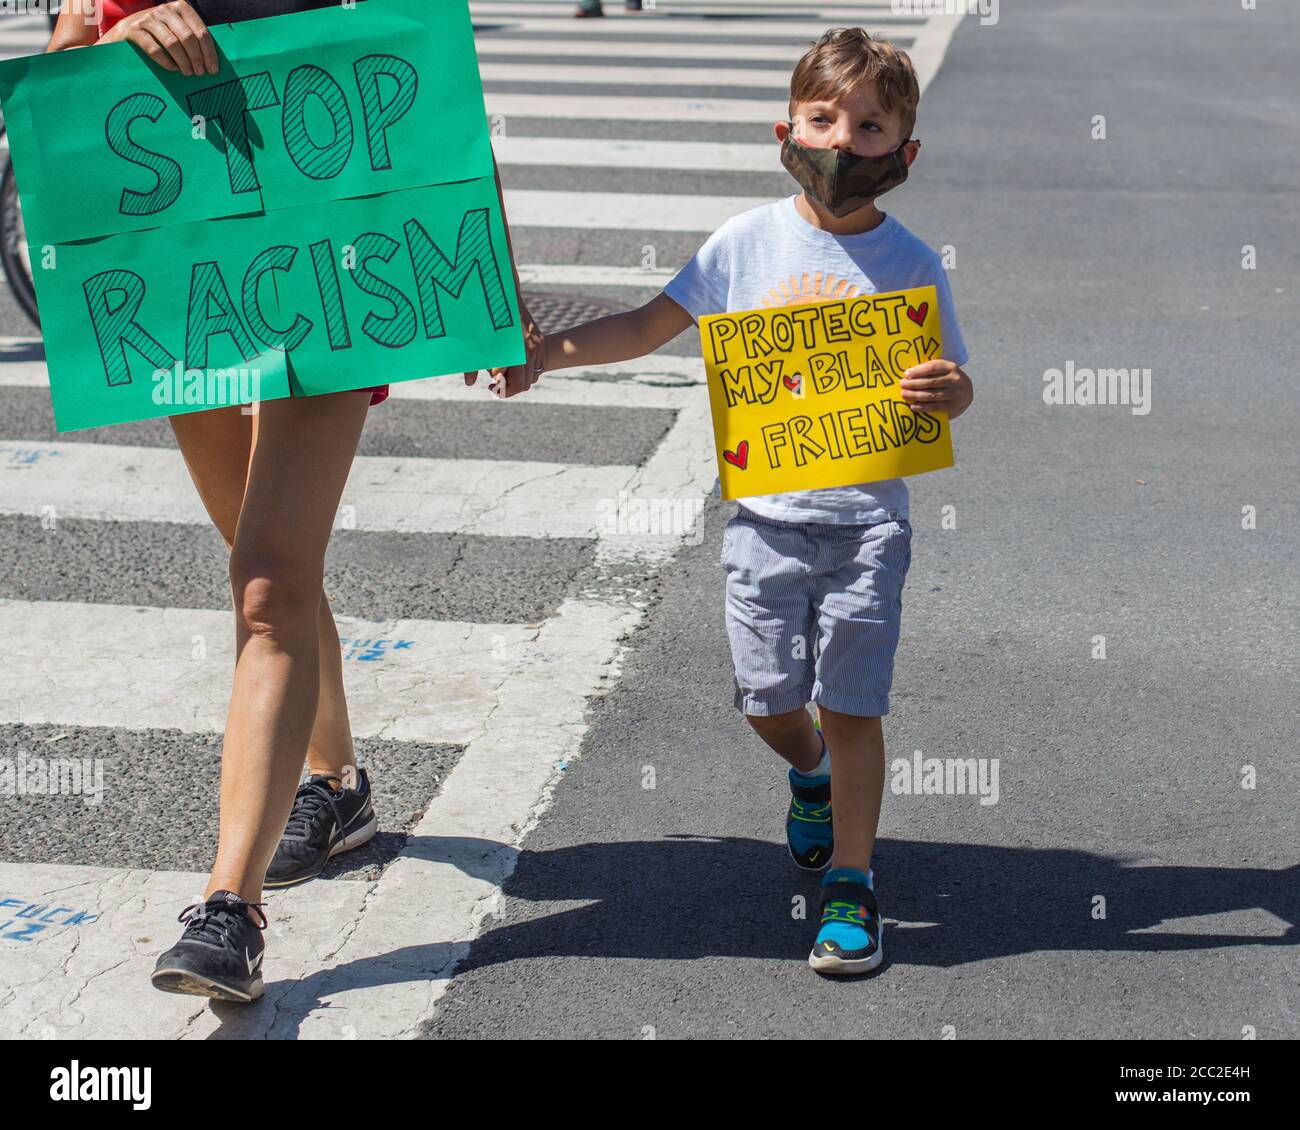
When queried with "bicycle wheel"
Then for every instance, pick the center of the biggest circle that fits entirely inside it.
(14, 256)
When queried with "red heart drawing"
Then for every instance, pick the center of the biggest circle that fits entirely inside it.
(917, 314)
(792, 382)
(739, 457)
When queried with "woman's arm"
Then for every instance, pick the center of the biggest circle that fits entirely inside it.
(618, 337)
(173, 35)
(73, 29)
(518, 378)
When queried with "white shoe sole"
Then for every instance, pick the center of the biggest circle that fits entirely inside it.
(191, 983)
(837, 966)
(356, 839)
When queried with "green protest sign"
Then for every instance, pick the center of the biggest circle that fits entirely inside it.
(320, 215)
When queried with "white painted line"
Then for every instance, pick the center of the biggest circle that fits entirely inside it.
(24, 374)
(624, 29)
(553, 47)
(489, 497)
(931, 46)
(749, 7)
(77, 962)
(665, 12)
(616, 153)
(649, 520)
(558, 274)
(624, 211)
(666, 9)
(15, 42)
(778, 80)
(76, 664)
(642, 381)
(603, 107)
(651, 382)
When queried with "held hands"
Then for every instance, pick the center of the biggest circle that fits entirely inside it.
(938, 386)
(172, 35)
(519, 378)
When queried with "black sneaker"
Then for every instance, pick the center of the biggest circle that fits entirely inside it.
(219, 954)
(323, 823)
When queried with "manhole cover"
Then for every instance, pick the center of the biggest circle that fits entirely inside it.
(559, 311)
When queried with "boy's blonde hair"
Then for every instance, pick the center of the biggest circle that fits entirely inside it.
(846, 58)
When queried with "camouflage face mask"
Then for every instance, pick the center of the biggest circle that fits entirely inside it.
(842, 182)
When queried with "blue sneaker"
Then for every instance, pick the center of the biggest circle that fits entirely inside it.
(850, 937)
(808, 822)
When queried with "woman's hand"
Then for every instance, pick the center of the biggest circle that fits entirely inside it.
(519, 378)
(172, 35)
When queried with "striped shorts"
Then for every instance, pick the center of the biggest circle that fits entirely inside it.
(813, 612)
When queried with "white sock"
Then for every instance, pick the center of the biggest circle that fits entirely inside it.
(823, 766)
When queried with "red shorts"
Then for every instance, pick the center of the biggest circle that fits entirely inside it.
(113, 10)
(378, 394)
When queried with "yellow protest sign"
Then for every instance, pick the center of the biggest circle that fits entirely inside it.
(806, 396)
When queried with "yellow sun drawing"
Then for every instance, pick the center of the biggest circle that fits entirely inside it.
(811, 286)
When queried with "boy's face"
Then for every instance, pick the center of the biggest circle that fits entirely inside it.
(855, 124)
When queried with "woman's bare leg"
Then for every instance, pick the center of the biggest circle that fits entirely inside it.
(217, 448)
(330, 752)
(302, 453)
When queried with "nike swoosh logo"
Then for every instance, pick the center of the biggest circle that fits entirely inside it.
(253, 962)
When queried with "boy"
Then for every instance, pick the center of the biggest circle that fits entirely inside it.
(823, 564)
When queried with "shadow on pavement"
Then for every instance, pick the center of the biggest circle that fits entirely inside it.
(945, 905)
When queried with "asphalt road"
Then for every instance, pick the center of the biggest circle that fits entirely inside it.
(668, 912)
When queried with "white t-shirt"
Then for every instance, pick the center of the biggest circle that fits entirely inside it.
(771, 256)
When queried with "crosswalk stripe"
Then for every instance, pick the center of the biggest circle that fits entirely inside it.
(777, 79)
(562, 274)
(614, 153)
(646, 382)
(627, 389)
(685, 8)
(139, 668)
(664, 9)
(718, 31)
(628, 108)
(671, 11)
(23, 42)
(624, 211)
(109, 482)
(629, 54)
